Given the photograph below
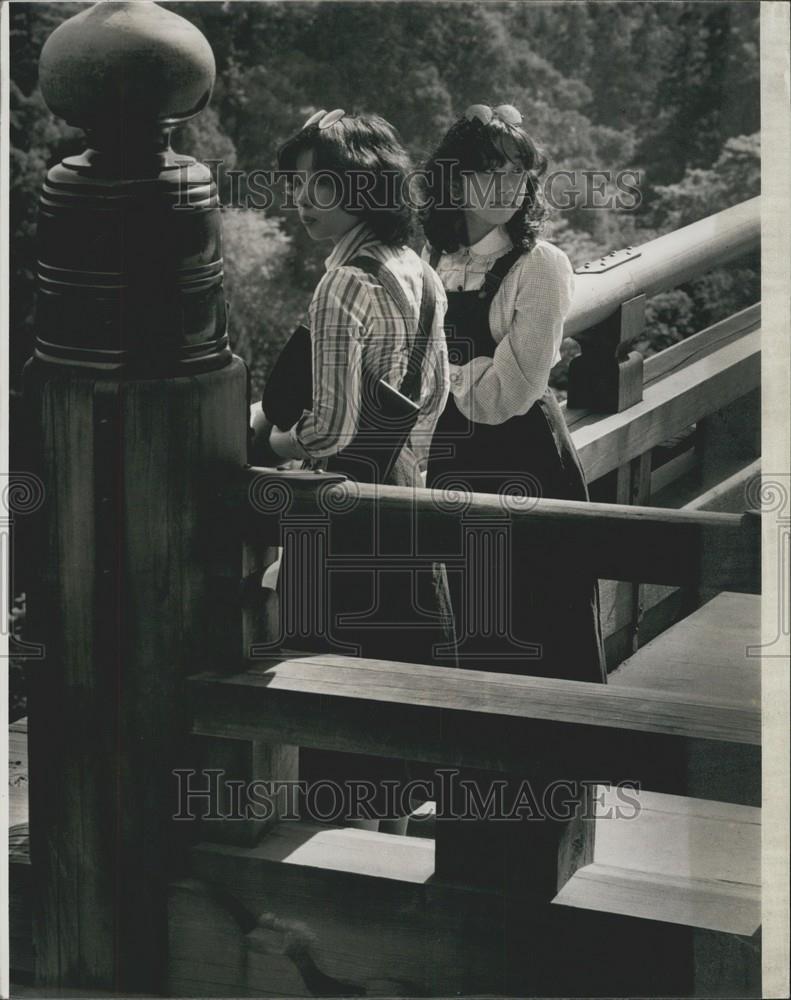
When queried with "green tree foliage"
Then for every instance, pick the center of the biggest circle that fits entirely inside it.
(670, 90)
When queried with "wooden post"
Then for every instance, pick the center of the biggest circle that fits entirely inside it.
(140, 412)
(607, 377)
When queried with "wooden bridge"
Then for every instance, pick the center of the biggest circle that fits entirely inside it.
(154, 537)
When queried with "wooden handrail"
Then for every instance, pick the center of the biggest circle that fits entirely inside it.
(616, 542)
(665, 262)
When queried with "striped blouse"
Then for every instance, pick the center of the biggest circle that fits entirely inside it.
(355, 327)
(526, 321)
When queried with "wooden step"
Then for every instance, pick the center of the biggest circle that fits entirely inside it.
(680, 860)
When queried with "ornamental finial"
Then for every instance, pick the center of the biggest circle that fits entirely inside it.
(130, 66)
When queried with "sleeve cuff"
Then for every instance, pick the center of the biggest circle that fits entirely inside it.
(286, 443)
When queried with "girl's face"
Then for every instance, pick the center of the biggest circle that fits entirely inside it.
(319, 197)
(493, 196)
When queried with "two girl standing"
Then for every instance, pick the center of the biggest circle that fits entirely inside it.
(495, 296)
(487, 418)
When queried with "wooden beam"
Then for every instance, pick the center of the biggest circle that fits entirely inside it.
(391, 937)
(606, 377)
(673, 359)
(524, 725)
(482, 694)
(640, 544)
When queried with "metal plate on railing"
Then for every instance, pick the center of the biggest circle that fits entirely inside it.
(607, 263)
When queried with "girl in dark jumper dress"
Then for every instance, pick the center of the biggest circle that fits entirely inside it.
(502, 430)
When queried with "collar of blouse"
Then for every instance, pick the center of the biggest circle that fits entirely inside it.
(349, 244)
(492, 244)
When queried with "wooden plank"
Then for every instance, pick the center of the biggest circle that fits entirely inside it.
(523, 725)
(700, 345)
(358, 929)
(730, 495)
(706, 652)
(669, 858)
(671, 471)
(620, 600)
(719, 632)
(668, 406)
(365, 852)
(663, 606)
(483, 694)
(601, 378)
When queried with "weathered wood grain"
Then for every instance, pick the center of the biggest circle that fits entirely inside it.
(128, 594)
(407, 938)
(531, 726)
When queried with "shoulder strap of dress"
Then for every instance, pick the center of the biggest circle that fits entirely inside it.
(381, 272)
(497, 272)
(410, 386)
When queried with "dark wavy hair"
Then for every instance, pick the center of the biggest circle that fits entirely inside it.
(365, 154)
(472, 146)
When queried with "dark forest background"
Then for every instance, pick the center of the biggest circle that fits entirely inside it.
(668, 89)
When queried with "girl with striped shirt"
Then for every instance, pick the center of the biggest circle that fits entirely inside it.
(376, 314)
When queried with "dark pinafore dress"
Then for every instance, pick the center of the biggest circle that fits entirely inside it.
(550, 605)
(412, 614)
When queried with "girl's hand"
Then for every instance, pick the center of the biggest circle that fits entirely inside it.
(260, 450)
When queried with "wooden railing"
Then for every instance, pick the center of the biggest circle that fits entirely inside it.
(653, 561)
(155, 536)
(664, 263)
(469, 911)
